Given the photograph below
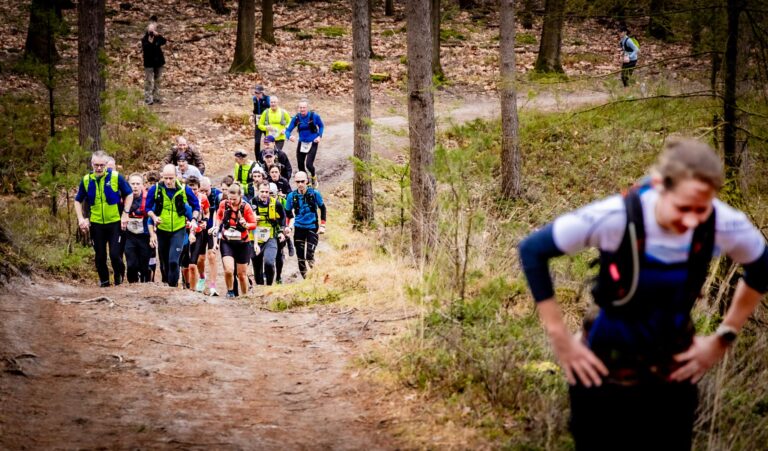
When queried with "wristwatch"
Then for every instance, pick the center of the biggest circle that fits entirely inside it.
(726, 334)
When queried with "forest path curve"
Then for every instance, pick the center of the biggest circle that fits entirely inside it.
(154, 367)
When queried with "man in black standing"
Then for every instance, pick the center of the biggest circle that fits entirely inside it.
(154, 60)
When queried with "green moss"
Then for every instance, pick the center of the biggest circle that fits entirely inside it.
(525, 39)
(341, 66)
(380, 77)
(332, 32)
(303, 36)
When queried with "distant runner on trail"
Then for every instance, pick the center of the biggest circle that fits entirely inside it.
(268, 234)
(208, 265)
(183, 148)
(311, 128)
(274, 120)
(235, 218)
(302, 205)
(167, 204)
(137, 247)
(243, 173)
(260, 105)
(184, 170)
(198, 237)
(633, 371)
(103, 188)
(629, 52)
(279, 158)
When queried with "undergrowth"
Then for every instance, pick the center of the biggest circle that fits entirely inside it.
(43, 173)
(479, 351)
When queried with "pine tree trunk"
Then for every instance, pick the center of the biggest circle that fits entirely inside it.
(246, 28)
(42, 22)
(389, 8)
(90, 70)
(421, 128)
(437, 68)
(362, 210)
(370, 29)
(219, 6)
(268, 22)
(658, 23)
(551, 37)
(730, 152)
(510, 145)
(526, 18)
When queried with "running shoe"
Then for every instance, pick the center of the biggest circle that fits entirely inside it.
(231, 294)
(213, 292)
(200, 286)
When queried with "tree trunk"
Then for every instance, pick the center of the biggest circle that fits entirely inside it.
(90, 70)
(362, 210)
(370, 29)
(526, 17)
(389, 8)
(658, 24)
(44, 19)
(219, 6)
(421, 128)
(551, 37)
(730, 151)
(246, 28)
(268, 22)
(437, 68)
(510, 143)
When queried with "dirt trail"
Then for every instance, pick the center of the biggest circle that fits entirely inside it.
(159, 368)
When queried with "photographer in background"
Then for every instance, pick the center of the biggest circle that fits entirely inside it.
(154, 60)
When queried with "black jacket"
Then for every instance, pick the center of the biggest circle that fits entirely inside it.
(152, 51)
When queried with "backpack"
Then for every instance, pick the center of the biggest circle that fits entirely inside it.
(282, 117)
(181, 201)
(228, 212)
(312, 126)
(309, 199)
(617, 281)
(627, 48)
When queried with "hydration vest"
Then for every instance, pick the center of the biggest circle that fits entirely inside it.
(104, 197)
(172, 211)
(267, 215)
(616, 283)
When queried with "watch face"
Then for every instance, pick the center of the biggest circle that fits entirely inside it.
(728, 337)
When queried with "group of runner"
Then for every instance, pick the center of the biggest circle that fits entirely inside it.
(179, 220)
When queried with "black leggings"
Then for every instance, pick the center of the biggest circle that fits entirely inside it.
(306, 242)
(137, 255)
(101, 234)
(639, 417)
(307, 160)
(626, 71)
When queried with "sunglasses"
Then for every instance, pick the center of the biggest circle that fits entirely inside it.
(301, 181)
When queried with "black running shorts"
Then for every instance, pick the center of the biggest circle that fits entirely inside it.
(239, 250)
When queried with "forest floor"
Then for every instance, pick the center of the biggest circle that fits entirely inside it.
(153, 367)
(150, 366)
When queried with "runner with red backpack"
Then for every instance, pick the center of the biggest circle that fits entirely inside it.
(235, 218)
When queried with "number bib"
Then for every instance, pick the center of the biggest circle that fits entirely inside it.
(305, 147)
(262, 234)
(232, 235)
(136, 226)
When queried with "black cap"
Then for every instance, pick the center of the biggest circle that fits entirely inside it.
(240, 153)
(182, 157)
(258, 88)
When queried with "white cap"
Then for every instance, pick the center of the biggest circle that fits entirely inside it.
(273, 188)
